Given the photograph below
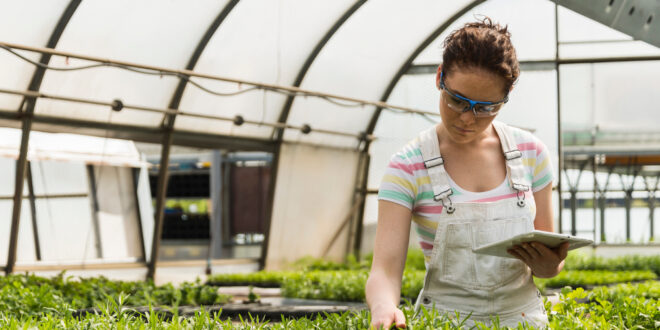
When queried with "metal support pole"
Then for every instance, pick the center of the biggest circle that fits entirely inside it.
(651, 201)
(574, 207)
(91, 177)
(136, 182)
(225, 192)
(357, 247)
(26, 111)
(215, 242)
(573, 189)
(628, 197)
(274, 165)
(601, 205)
(21, 165)
(628, 205)
(651, 214)
(33, 211)
(594, 202)
(560, 157)
(602, 199)
(163, 178)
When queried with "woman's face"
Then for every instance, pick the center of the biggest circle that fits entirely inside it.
(473, 83)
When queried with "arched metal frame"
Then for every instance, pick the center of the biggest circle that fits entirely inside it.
(26, 116)
(362, 189)
(284, 115)
(169, 136)
(168, 128)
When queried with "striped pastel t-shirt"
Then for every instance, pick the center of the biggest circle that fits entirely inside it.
(406, 182)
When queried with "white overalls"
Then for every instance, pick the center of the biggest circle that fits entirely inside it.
(458, 279)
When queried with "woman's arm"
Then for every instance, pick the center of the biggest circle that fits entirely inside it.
(544, 262)
(544, 215)
(383, 287)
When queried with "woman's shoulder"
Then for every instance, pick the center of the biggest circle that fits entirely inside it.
(411, 152)
(526, 140)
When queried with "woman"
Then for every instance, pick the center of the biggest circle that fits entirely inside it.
(467, 182)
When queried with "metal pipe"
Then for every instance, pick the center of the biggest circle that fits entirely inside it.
(594, 170)
(175, 100)
(360, 217)
(143, 134)
(274, 165)
(215, 242)
(161, 192)
(27, 106)
(33, 211)
(405, 66)
(94, 201)
(560, 157)
(573, 212)
(284, 113)
(538, 65)
(21, 165)
(272, 87)
(136, 183)
(174, 112)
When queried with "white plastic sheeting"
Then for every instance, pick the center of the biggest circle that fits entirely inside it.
(314, 194)
(71, 148)
(65, 224)
(27, 22)
(151, 32)
(262, 41)
(267, 42)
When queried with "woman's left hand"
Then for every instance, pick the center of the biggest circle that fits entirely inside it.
(544, 261)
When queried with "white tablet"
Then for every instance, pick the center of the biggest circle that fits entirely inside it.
(549, 239)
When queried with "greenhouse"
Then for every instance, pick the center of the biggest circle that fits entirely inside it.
(248, 164)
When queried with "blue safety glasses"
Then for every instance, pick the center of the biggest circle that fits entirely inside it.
(461, 104)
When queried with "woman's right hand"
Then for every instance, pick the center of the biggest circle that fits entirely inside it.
(384, 316)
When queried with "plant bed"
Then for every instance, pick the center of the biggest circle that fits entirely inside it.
(261, 311)
(270, 285)
(588, 279)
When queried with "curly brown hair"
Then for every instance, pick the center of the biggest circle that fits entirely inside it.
(484, 45)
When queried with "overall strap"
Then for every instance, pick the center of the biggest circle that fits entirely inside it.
(514, 164)
(435, 166)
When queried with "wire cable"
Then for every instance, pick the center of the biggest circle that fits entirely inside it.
(161, 73)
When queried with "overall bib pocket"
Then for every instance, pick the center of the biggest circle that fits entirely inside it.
(464, 267)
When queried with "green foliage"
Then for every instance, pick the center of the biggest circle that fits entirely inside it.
(577, 261)
(252, 297)
(260, 278)
(201, 206)
(620, 307)
(584, 278)
(608, 308)
(34, 295)
(343, 285)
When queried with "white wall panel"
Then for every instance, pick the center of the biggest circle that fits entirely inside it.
(118, 221)
(313, 195)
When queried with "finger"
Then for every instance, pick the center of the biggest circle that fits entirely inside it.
(514, 253)
(563, 250)
(380, 324)
(543, 250)
(522, 253)
(533, 253)
(517, 256)
(399, 319)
